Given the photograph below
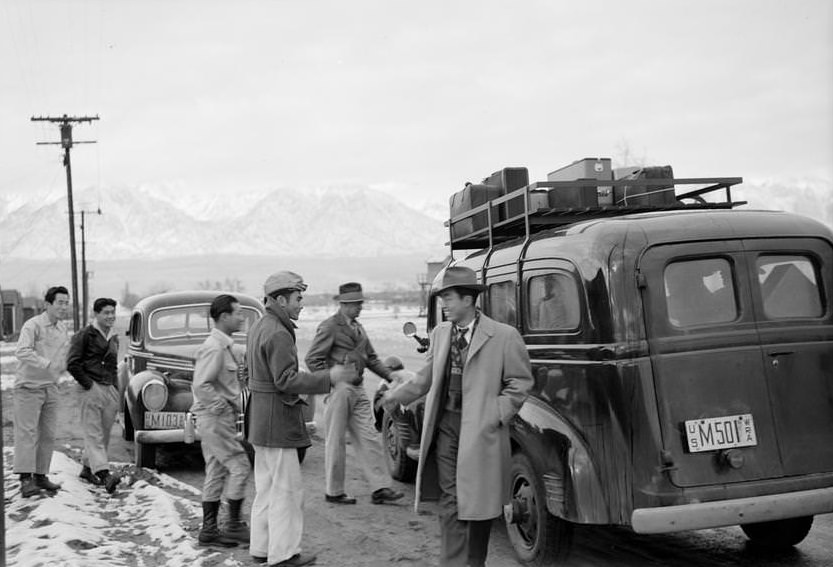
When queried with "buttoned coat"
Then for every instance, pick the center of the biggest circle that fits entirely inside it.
(276, 418)
(496, 380)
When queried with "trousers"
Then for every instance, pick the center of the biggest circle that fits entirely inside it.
(99, 406)
(35, 417)
(226, 463)
(462, 543)
(347, 409)
(278, 507)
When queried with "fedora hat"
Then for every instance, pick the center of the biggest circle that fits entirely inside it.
(457, 276)
(350, 292)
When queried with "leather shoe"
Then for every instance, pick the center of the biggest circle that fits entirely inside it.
(339, 499)
(385, 495)
(258, 559)
(28, 487)
(295, 561)
(88, 475)
(45, 483)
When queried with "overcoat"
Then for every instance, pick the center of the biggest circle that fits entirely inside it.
(496, 380)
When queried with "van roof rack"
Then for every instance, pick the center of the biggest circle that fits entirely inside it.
(501, 227)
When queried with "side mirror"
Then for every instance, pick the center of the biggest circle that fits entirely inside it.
(409, 330)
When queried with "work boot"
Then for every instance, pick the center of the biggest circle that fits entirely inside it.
(210, 534)
(236, 528)
(110, 481)
(28, 486)
(45, 483)
(88, 475)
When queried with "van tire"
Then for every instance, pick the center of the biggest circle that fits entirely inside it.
(538, 537)
(144, 455)
(778, 534)
(397, 435)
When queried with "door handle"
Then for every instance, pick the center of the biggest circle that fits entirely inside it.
(781, 353)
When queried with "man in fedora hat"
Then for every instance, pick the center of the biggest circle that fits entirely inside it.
(477, 376)
(276, 420)
(342, 340)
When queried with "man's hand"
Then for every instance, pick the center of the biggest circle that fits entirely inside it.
(388, 403)
(398, 377)
(345, 373)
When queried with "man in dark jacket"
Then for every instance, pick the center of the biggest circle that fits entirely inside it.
(342, 340)
(277, 427)
(92, 361)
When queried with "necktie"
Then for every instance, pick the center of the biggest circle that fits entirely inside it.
(461, 338)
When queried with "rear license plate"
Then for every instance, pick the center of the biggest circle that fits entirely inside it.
(714, 433)
(164, 420)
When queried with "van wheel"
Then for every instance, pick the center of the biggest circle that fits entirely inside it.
(127, 430)
(144, 455)
(778, 534)
(539, 538)
(397, 435)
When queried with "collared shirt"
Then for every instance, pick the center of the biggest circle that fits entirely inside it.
(41, 351)
(98, 328)
(215, 382)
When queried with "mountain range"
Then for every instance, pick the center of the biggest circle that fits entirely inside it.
(156, 223)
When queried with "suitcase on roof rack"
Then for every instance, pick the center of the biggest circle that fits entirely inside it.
(655, 195)
(470, 197)
(587, 168)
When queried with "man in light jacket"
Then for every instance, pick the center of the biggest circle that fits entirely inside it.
(341, 339)
(41, 353)
(477, 376)
(277, 427)
(216, 390)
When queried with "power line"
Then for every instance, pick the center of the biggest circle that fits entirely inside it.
(66, 123)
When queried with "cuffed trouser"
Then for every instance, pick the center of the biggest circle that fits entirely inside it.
(225, 458)
(463, 543)
(35, 417)
(278, 507)
(347, 409)
(99, 405)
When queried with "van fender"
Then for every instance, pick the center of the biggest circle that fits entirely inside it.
(574, 490)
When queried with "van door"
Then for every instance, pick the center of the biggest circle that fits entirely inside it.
(791, 291)
(713, 402)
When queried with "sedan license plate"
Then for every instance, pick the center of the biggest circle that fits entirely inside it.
(715, 433)
(164, 420)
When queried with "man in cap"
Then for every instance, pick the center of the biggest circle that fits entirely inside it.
(277, 424)
(477, 376)
(216, 390)
(342, 340)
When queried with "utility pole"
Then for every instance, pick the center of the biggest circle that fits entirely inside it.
(66, 142)
(84, 273)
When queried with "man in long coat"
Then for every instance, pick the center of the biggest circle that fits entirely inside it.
(477, 376)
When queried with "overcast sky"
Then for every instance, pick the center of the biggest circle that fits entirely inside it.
(414, 98)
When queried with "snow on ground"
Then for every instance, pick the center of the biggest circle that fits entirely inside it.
(142, 524)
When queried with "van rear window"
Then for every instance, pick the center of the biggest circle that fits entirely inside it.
(788, 287)
(700, 292)
(554, 303)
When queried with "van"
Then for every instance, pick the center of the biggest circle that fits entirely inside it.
(683, 364)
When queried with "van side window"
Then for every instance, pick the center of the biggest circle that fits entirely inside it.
(700, 292)
(502, 303)
(788, 287)
(553, 303)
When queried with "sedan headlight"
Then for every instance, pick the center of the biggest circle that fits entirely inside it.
(154, 395)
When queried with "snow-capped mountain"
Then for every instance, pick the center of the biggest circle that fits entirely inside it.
(160, 222)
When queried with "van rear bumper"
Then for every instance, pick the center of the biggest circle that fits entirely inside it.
(732, 512)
